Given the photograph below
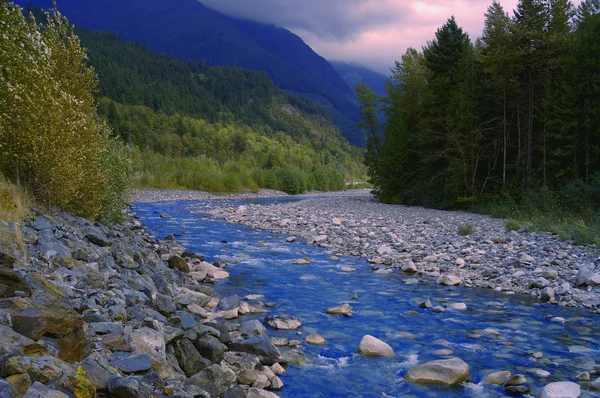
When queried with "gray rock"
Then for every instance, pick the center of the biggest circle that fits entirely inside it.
(228, 303)
(540, 283)
(38, 390)
(423, 302)
(43, 369)
(583, 275)
(188, 358)
(96, 369)
(132, 363)
(235, 392)
(283, 322)
(165, 304)
(124, 387)
(215, 379)
(373, 347)
(96, 236)
(547, 294)
(261, 346)
(5, 389)
(47, 243)
(516, 380)
(561, 389)
(517, 390)
(106, 328)
(445, 372)
(210, 347)
(253, 328)
(41, 224)
(259, 393)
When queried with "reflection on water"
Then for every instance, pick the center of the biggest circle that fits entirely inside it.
(496, 332)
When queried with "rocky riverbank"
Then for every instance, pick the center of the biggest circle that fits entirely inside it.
(427, 246)
(167, 195)
(90, 310)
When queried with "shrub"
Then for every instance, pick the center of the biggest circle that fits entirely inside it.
(512, 225)
(52, 141)
(466, 229)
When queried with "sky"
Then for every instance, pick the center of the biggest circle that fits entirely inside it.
(373, 33)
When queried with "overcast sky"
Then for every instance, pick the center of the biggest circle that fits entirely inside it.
(373, 33)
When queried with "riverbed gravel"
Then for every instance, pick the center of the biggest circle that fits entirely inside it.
(428, 243)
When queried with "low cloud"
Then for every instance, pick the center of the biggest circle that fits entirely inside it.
(373, 33)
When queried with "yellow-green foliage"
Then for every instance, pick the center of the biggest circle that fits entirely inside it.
(83, 386)
(50, 137)
(186, 153)
(14, 202)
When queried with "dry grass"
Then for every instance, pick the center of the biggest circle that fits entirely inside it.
(14, 202)
(15, 205)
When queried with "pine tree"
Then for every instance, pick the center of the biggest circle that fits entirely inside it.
(497, 58)
(368, 107)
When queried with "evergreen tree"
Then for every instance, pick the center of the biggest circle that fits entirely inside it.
(368, 108)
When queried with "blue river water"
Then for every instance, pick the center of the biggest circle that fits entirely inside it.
(496, 332)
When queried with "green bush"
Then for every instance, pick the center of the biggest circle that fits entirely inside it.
(466, 229)
(512, 225)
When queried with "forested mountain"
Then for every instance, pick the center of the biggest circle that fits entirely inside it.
(354, 74)
(189, 31)
(214, 128)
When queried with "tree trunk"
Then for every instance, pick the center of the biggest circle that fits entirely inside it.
(504, 137)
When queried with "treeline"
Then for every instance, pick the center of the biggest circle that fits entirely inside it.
(178, 151)
(515, 110)
(132, 75)
(51, 141)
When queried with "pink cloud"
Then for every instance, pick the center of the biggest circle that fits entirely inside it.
(374, 33)
(379, 46)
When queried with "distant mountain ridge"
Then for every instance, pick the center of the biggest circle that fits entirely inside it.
(188, 30)
(354, 74)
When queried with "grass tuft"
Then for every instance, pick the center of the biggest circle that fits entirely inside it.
(512, 225)
(466, 229)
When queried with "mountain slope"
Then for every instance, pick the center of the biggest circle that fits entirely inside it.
(188, 30)
(354, 74)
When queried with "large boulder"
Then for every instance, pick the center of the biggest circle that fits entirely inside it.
(344, 309)
(47, 245)
(124, 387)
(215, 379)
(210, 347)
(74, 347)
(188, 358)
(128, 363)
(373, 347)
(42, 369)
(283, 322)
(561, 389)
(11, 281)
(228, 307)
(49, 311)
(14, 344)
(96, 368)
(96, 236)
(176, 262)
(210, 270)
(253, 328)
(261, 346)
(449, 280)
(445, 372)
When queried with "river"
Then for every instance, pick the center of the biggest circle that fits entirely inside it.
(496, 332)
